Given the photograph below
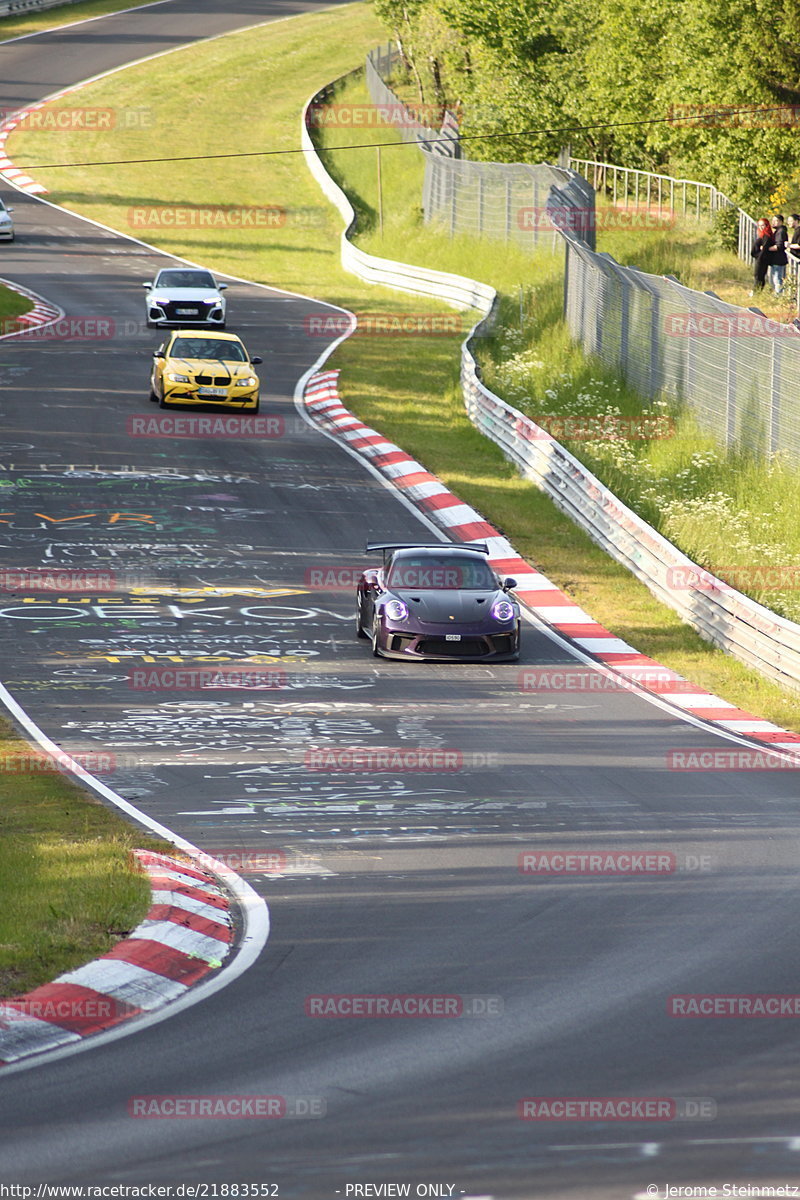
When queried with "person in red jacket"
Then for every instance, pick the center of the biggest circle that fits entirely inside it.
(762, 246)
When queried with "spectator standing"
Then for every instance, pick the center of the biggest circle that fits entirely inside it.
(777, 254)
(760, 252)
(793, 248)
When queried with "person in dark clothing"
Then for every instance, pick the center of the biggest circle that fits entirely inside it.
(760, 252)
(793, 248)
(777, 254)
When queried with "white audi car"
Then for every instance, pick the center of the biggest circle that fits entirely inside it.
(185, 296)
(6, 224)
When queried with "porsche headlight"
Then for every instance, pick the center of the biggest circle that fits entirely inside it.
(396, 610)
(503, 610)
(174, 377)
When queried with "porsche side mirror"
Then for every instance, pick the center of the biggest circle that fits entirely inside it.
(509, 584)
(371, 580)
(256, 360)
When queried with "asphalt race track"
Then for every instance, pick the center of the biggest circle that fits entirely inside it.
(390, 882)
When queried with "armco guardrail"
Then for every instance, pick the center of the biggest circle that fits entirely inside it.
(745, 629)
(18, 8)
(735, 623)
(454, 289)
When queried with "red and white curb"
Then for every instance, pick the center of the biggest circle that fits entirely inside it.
(15, 175)
(544, 598)
(43, 312)
(187, 934)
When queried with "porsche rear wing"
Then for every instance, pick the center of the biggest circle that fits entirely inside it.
(478, 547)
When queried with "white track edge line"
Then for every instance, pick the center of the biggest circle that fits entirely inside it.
(254, 910)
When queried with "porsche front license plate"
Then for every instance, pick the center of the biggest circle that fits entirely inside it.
(212, 391)
(452, 637)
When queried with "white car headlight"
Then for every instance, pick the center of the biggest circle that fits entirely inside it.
(503, 610)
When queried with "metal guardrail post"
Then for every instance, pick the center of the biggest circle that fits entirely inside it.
(774, 416)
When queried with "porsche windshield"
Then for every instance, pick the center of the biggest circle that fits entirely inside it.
(207, 347)
(445, 573)
(186, 279)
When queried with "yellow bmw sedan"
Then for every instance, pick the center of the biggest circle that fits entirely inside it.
(194, 367)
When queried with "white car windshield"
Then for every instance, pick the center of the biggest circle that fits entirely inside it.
(185, 279)
(207, 347)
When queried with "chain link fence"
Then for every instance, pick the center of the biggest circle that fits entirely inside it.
(737, 370)
(527, 205)
(442, 141)
(665, 195)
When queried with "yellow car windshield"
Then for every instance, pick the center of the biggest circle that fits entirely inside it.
(200, 347)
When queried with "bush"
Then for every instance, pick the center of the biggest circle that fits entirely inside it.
(725, 229)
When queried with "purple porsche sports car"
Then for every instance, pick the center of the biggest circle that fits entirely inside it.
(437, 602)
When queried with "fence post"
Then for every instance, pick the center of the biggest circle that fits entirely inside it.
(655, 342)
(730, 392)
(508, 206)
(773, 442)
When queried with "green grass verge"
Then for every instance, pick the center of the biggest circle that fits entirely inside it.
(12, 305)
(63, 14)
(68, 889)
(405, 386)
